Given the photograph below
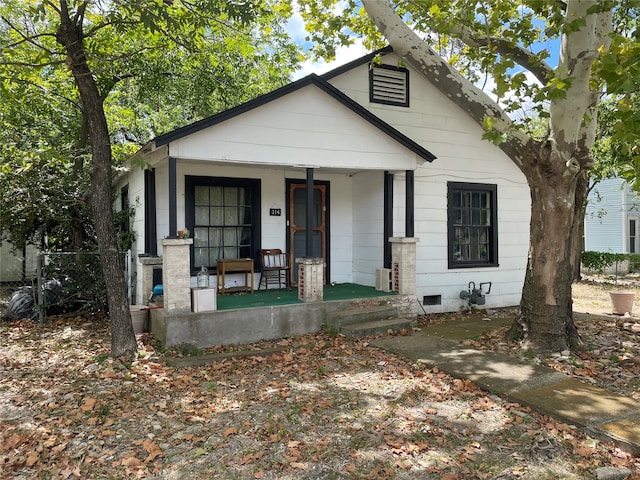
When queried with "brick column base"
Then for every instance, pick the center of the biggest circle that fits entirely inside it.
(176, 273)
(310, 279)
(403, 264)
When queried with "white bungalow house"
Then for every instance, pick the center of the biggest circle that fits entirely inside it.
(385, 155)
(612, 222)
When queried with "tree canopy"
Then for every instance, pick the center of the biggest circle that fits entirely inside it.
(158, 65)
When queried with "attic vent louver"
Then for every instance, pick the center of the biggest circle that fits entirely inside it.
(389, 85)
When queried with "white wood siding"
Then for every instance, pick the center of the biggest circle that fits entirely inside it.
(605, 218)
(11, 263)
(446, 131)
(610, 205)
(368, 227)
(305, 128)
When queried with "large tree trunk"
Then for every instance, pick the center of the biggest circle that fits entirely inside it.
(69, 35)
(545, 319)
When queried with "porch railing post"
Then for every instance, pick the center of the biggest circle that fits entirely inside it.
(310, 279)
(403, 255)
(176, 273)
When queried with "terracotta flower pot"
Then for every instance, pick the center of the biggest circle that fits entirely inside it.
(621, 302)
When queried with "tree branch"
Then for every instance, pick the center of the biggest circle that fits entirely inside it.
(520, 55)
(26, 38)
(573, 114)
(50, 92)
(446, 79)
(32, 65)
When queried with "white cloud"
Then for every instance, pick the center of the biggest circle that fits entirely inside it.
(343, 55)
(295, 28)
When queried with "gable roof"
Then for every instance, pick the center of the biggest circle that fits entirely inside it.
(317, 81)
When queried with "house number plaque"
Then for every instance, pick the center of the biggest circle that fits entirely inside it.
(275, 212)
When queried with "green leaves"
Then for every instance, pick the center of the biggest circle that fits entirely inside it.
(158, 65)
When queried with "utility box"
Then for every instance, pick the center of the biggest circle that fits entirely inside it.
(203, 299)
(383, 279)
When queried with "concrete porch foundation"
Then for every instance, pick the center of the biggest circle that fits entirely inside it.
(247, 325)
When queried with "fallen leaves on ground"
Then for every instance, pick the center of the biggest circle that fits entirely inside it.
(609, 353)
(321, 407)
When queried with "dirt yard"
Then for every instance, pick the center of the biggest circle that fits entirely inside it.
(324, 407)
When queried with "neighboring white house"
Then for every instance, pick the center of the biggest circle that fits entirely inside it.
(387, 154)
(612, 221)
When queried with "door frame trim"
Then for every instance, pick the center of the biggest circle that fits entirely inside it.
(327, 215)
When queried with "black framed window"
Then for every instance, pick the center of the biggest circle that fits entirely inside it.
(472, 224)
(389, 85)
(223, 215)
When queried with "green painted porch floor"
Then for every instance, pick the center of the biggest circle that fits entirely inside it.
(271, 297)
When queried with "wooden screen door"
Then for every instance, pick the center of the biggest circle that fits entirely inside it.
(297, 224)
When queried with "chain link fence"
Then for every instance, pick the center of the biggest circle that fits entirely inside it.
(57, 282)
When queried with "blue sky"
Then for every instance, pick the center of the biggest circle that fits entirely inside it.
(343, 54)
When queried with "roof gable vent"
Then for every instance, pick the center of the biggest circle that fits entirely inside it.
(389, 85)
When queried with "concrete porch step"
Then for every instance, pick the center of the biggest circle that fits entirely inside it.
(364, 314)
(376, 327)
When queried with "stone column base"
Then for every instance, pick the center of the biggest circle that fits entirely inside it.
(310, 279)
(403, 264)
(176, 273)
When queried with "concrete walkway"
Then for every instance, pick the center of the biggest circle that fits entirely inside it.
(598, 412)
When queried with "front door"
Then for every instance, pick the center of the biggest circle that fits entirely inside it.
(297, 219)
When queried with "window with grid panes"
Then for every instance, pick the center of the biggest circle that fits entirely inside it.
(223, 217)
(472, 225)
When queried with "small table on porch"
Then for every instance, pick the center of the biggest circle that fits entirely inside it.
(233, 265)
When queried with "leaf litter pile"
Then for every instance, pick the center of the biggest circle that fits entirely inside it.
(321, 407)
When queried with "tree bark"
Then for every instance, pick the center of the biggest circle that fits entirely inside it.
(582, 192)
(545, 319)
(70, 36)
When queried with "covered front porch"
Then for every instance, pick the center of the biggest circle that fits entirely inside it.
(274, 314)
(278, 313)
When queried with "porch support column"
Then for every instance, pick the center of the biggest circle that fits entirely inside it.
(388, 218)
(409, 205)
(173, 208)
(310, 279)
(150, 225)
(309, 219)
(403, 253)
(176, 274)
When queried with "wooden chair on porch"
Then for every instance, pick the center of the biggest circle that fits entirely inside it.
(275, 268)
